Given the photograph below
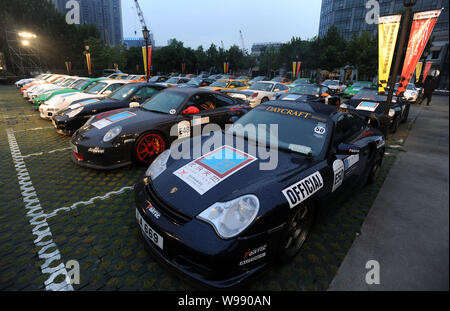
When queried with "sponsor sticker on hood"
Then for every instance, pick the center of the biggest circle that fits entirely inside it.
(113, 119)
(84, 102)
(367, 106)
(211, 169)
(291, 97)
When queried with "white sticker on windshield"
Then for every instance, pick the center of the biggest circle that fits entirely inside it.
(172, 111)
(300, 148)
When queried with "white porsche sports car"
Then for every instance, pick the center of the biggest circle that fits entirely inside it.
(259, 92)
(99, 89)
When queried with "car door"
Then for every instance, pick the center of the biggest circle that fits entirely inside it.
(349, 128)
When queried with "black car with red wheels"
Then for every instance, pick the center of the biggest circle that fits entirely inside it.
(120, 137)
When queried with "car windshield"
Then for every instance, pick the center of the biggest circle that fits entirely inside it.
(123, 92)
(330, 82)
(195, 82)
(366, 94)
(80, 84)
(95, 89)
(68, 82)
(266, 87)
(312, 90)
(361, 84)
(259, 78)
(277, 80)
(164, 102)
(300, 81)
(173, 80)
(309, 138)
(220, 84)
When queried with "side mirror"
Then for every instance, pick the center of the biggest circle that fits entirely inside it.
(231, 87)
(107, 92)
(134, 105)
(325, 95)
(347, 149)
(191, 110)
(204, 84)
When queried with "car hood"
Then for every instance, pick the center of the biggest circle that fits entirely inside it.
(247, 179)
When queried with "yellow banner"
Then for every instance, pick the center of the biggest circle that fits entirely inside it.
(388, 27)
(418, 71)
(144, 55)
(294, 66)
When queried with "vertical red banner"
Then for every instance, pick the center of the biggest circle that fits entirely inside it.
(298, 68)
(422, 26)
(149, 59)
(426, 70)
(228, 67)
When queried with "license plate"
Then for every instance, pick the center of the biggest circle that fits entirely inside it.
(148, 231)
(74, 148)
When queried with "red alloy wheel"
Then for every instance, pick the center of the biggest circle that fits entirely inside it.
(149, 146)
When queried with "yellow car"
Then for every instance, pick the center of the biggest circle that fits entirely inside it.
(227, 84)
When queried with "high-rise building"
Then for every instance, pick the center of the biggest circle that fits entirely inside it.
(349, 17)
(106, 15)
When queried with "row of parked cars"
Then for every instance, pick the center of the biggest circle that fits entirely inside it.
(221, 217)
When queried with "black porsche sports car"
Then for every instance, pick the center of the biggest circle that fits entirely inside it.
(117, 138)
(311, 93)
(197, 82)
(223, 217)
(75, 116)
(370, 105)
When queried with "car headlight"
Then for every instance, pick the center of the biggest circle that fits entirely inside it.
(344, 106)
(159, 165)
(391, 112)
(112, 133)
(231, 218)
(74, 112)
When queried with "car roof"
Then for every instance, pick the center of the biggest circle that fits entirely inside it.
(317, 108)
(189, 91)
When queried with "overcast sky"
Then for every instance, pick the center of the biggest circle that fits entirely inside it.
(202, 22)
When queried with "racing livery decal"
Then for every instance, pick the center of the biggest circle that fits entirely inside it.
(113, 119)
(206, 172)
(351, 160)
(338, 169)
(249, 256)
(300, 191)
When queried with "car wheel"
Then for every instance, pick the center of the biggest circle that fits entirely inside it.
(147, 147)
(395, 124)
(405, 117)
(298, 229)
(264, 100)
(375, 169)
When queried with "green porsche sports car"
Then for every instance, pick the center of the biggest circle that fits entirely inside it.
(356, 87)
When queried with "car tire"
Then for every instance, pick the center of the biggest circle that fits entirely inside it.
(375, 169)
(147, 147)
(265, 99)
(298, 228)
(406, 114)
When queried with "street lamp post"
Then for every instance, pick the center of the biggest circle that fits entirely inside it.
(146, 34)
(401, 44)
(87, 47)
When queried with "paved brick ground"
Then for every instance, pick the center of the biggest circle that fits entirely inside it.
(102, 235)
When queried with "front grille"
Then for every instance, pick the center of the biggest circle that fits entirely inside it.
(168, 211)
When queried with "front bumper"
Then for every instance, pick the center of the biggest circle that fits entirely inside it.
(192, 247)
(68, 126)
(46, 113)
(85, 152)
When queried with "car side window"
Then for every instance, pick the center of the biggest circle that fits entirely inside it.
(113, 87)
(348, 127)
(203, 101)
(223, 101)
(146, 92)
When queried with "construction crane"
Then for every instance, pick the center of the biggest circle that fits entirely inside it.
(141, 17)
(242, 40)
(223, 46)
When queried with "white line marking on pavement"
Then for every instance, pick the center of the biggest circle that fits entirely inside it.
(34, 129)
(42, 153)
(88, 202)
(38, 221)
